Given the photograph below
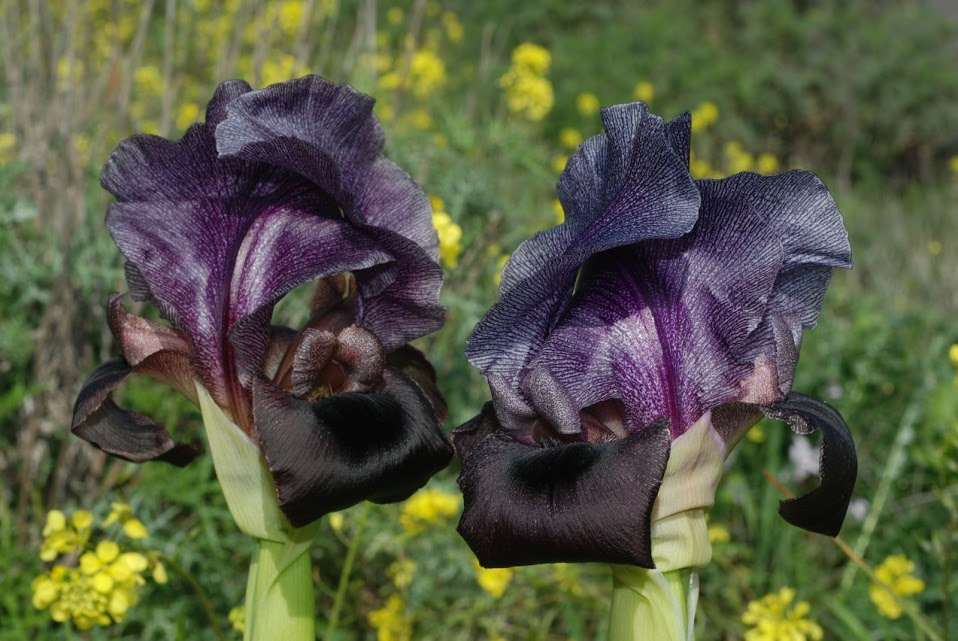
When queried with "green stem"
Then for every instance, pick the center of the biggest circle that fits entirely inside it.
(279, 594)
(648, 605)
(345, 573)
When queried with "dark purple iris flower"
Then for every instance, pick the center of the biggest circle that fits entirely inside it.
(662, 303)
(279, 187)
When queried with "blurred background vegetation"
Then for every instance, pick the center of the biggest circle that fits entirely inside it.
(864, 92)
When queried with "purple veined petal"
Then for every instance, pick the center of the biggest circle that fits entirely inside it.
(100, 421)
(202, 258)
(621, 187)
(349, 447)
(673, 328)
(328, 134)
(140, 338)
(572, 502)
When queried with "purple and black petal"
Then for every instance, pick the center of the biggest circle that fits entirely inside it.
(330, 454)
(660, 300)
(279, 187)
(823, 509)
(569, 502)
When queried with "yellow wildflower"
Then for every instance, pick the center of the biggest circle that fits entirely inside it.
(953, 354)
(278, 69)
(390, 621)
(188, 113)
(766, 163)
(427, 507)
(135, 529)
(450, 235)
(895, 579)
(336, 521)
(527, 94)
(8, 141)
(644, 91)
(570, 137)
(290, 16)
(395, 15)
(237, 617)
(756, 434)
(719, 534)
(700, 168)
(453, 27)
(531, 58)
(148, 79)
(493, 580)
(558, 211)
(935, 247)
(419, 119)
(107, 551)
(953, 165)
(427, 72)
(159, 573)
(738, 159)
(401, 572)
(56, 522)
(567, 578)
(119, 512)
(772, 619)
(587, 103)
(558, 163)
(390, 81)
(704, 116)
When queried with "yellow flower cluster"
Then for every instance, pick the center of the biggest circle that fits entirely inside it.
(719, 534)
(704, 116)
(493, 580)
(8, 142)
(450, 233)
(773, 618)
(427, 73)
(427, 507)
(570, 137)
(105, 581)
(644, 91)
(391, 621)
(528, 91)
(587, 103)
(237, 618)
(895, 579)
(401, 572)
(453, 27)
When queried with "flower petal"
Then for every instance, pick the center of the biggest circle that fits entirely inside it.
(672, 329)
(573, 502)
(128, 435)
(414, 364)
(621, 187)
(823, 509)
(349, 447)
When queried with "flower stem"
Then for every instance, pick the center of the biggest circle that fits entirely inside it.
(648, 605)
(345, 573)
(279, 593)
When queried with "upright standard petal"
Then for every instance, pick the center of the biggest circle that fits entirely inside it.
(621, 187)
(671, 330)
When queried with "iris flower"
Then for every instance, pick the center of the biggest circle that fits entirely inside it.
(278, 187)
(632, 347)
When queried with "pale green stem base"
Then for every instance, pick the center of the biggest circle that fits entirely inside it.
(279, 594)
(648, 605)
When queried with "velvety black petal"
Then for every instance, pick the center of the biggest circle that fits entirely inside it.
(573, 502)
(414, 364)
(346, 448)
(823, 509)
(128, 435)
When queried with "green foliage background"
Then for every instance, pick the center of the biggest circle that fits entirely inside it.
(863, 92)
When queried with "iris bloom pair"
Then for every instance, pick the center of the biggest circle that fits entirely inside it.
(631, 347)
